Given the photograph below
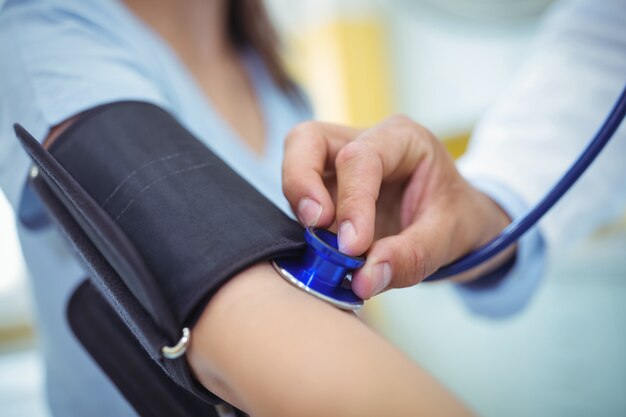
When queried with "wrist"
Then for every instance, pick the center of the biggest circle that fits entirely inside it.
(483, 222)
(493, 219)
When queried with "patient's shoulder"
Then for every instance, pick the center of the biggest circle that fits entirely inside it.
(69, 56)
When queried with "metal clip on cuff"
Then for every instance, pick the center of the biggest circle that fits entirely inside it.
(179, 349)
(322, 270)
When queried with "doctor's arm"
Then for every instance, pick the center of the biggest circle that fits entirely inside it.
(392, 190)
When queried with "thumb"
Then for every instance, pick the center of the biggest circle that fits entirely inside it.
(399, 261)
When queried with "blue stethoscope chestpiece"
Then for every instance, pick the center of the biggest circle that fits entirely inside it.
(322, 270)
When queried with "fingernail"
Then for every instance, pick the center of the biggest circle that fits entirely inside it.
(309, 211)
(382, 277)
(346, 235)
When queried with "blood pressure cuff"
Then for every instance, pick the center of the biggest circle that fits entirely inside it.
(157, 217)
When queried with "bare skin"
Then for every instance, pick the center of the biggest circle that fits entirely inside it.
(274, 350)
(394, 192)
(261, 344)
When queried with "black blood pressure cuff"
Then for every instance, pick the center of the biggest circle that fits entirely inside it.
(158, 218)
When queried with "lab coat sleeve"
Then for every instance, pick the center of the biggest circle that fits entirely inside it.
(527, 141)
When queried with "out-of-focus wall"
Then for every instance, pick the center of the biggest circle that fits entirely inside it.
(447, 71)
(396, 56)
(339, 51)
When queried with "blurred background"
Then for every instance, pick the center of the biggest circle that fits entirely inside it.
(443, 63)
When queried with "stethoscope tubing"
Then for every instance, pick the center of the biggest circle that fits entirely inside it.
(525, 222)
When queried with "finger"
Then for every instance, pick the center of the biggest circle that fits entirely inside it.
(309, 148)
(403, 260)
(388, 151)
(359, 176)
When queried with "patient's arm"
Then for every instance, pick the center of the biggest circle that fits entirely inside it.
(274, 350)
(259, 343)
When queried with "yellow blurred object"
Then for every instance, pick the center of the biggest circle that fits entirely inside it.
(457, 144)
(20, 334)
(344, 66)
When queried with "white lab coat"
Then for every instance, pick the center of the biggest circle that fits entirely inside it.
(564, 355)
(531, 136)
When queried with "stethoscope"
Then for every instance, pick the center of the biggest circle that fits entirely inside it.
(325, 272)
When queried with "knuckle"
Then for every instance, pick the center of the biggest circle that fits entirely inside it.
(356, 202)
(361, 159)
(401, 120)
(417, 261)
(405, 126)
(424, 262)
(304, 130)
(350, 151)
(291, 184)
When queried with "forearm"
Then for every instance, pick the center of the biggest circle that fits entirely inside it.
(279, 352)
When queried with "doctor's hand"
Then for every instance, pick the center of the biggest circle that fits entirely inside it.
(392, 191)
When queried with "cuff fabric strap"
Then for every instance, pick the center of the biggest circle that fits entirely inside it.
(192, 219)
(158, 218)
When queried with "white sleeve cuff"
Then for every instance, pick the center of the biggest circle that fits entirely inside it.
(514, 291)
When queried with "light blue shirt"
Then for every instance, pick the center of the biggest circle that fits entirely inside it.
(60, 58)
(63, 57)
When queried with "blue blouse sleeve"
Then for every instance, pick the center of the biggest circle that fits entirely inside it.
(63, 58)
